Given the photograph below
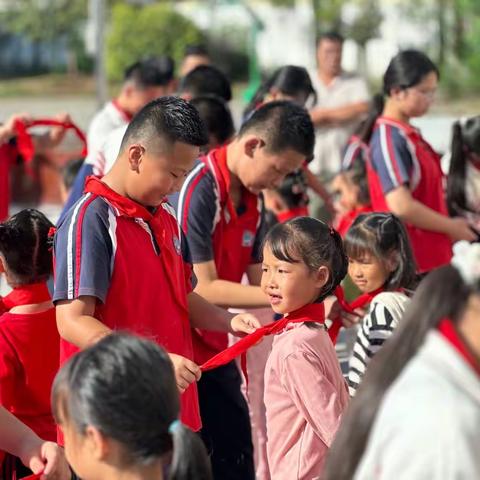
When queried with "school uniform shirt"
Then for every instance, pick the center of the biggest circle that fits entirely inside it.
(137, 265)
(384, 314)
(111, 148)
(355, 150)
(29, 345)
(330, 140)
(216, 231)
(107, 120)
(427, 427)
(305, 396)
(399, 156)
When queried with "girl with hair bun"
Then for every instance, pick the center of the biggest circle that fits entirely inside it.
(117, 404)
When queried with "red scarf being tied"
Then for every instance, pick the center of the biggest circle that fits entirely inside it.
(314, 312)
(25, 295)
(359, 302)
(448, 330)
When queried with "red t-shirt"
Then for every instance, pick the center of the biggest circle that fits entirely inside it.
(136, 264)
(29, 346)
(400, 156)
(344, 222)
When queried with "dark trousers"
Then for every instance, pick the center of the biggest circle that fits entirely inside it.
(226, 424)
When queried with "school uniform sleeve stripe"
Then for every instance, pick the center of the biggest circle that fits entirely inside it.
(78, 243)
(70, 244)
(85, 248)
(389, 154)
(186, 195)
(198, 208)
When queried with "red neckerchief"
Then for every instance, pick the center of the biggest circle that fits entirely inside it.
(35, 476)
(25, 142)
(314, 312)
(359, 302)
(25, 295)
(126, 115)
(448, 330)
(282, 217)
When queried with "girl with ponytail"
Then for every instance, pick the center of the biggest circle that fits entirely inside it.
(416, 414)
(404, 173)
(305, 393)
(117, 404)
(381, 265)
(463, 180)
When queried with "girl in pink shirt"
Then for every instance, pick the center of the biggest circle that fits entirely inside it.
(305, 393)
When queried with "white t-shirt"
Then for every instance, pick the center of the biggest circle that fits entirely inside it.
(107, 120)
(111, 147)
(331, 140)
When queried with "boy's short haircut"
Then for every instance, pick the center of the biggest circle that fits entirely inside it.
(216, 116)
(332, 36)
(206, 80)
(196, 49)
(70, 171)
(151, 72)
(284, 125)
(170, 118)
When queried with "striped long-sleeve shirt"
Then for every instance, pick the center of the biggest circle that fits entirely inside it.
(376, 327)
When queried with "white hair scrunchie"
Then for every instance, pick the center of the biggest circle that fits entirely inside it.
(466, 259)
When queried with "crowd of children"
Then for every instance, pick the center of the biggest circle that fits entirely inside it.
(124, 359)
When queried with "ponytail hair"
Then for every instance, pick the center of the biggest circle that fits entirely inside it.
(25, 247)
(290, 80)
(381, 235)
(365, 130)
(443, 293)
(465, 141)
(125, 387)
(307, 240)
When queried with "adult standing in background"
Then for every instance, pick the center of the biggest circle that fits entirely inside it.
(342, 101)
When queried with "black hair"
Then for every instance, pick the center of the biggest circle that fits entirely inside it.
(442, 294)
(289, 80)
(170, 118)
(405, 70)
(125, 387)
(293, 189)
(206, 80)
(196, 49)
(308, 240)
(216, 116)
(25, 247)
(333, 36)
(151, 72)
(284, 125)
(382, 234)
(70, 171)
(357, 174)
(465, 142)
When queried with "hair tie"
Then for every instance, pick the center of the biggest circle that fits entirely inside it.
(174, 426)
(466, 259)
(332, 231)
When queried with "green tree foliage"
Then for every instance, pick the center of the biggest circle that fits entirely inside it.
(141, 31)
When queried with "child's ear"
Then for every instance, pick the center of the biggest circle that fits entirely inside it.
(251, 144)
(322, 276)
(97, 444)
(135, 154)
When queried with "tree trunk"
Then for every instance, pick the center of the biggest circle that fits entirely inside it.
(442, 39)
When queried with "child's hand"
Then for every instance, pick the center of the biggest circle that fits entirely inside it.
(186, 371)
(243, 324)
(46, 457)
(351, 319)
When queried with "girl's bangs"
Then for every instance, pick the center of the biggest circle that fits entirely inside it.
(282, 245)
(358, 243)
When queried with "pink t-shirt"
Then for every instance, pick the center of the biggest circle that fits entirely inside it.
(305, 395)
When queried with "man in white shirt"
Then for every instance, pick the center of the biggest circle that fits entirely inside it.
(144, 81)
(343, 101)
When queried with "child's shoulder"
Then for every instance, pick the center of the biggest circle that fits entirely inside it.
(389, 306)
